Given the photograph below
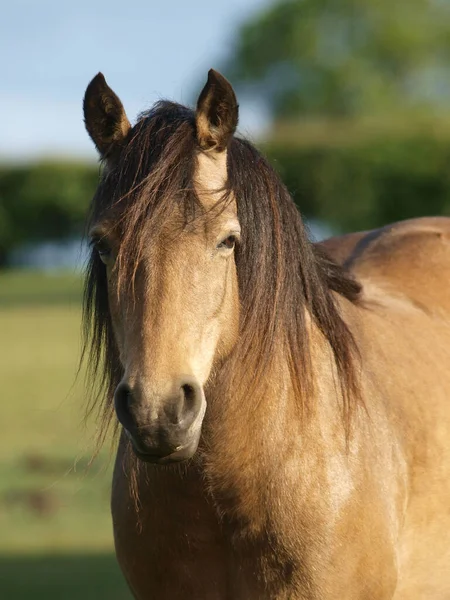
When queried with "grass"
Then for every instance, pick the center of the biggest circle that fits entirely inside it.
(56, 539)
(61, 577)
(21, 288)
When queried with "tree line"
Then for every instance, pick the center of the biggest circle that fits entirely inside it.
(342, 175)
(43, 201)
(359, 93)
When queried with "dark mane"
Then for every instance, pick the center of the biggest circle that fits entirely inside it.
(280, 271)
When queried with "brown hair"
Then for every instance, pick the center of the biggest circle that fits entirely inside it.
(280, 271)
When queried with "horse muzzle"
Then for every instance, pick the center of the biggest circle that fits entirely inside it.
(162, 430)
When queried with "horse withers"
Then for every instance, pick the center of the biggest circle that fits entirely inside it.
(283, 406)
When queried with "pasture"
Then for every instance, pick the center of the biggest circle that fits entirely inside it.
(55, 539)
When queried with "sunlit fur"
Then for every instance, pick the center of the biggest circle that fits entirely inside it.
(323, 470)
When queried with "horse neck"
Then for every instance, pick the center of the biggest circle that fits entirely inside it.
(258, 449)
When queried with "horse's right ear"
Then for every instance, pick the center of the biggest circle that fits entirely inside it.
(104, 116)
(217, 113)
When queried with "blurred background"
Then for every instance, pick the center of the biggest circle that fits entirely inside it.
(350, 100)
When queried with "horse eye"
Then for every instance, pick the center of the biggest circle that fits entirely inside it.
(228, 243)
(102, 248)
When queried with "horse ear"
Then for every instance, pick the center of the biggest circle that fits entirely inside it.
(104, 116)
(217, 113)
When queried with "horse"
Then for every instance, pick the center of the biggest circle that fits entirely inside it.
(283, 411)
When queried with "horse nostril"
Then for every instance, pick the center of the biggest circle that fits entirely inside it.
(192, 393)
(189, 395)
(123, 394)
(122, 400)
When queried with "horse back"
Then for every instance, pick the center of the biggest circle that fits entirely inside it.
(410, 259)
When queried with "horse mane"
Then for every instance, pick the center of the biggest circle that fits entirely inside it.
(280, 272)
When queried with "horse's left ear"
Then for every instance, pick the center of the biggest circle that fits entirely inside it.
(217, 113)
(104, 116)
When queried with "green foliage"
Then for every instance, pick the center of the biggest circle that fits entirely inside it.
(370, 82)
(43, 201)
(367, 181)
(347, 57)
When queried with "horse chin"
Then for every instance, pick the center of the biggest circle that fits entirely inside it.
(181, 455)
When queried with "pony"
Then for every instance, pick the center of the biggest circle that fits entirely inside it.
(282, 406)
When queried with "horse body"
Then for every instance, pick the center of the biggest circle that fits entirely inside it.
(292, 397)
(370, 521)
(403, 269)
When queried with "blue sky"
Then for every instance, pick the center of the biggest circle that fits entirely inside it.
(51, 49)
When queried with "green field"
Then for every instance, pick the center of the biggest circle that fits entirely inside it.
(55, 527)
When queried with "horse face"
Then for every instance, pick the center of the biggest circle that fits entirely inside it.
(181, 320)
(182, 317)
